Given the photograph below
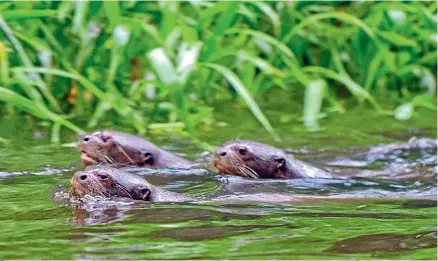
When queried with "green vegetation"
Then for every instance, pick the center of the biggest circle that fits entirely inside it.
(167, 64)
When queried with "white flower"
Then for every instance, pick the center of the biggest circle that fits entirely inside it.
(93, 32)
(45, 58)
(121, 35)
(150, 88)
(399, 17)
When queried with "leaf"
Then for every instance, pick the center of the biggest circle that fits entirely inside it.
(209, 14)
(279, 45)
(237, 84)
(338, 15)
(169, 76)
(163, 66)
(313, 98)
(4, 64)
(147, 28)
(81, 8)
(35, 109)
(26, 61)
(117, 102)
(261, 64)
(424, 100)
(187, 59)
(55, 136)
(226, 18)
(27, 14)
(372, 70)
(269, 12)
(21, 102)
(168, 22)
(112, 11)
(352, 86)
(397, 40)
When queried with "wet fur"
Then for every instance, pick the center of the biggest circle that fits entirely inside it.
(263, 161)
(123, 184)
(120, 149)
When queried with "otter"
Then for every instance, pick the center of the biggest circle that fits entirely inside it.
(119, 148)
(111, 182)
(260, 161)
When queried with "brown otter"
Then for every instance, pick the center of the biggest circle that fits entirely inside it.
(256, 160)
(124, 149)
(111, 182)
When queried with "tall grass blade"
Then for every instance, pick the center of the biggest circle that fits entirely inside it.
(373, 69)
(237, 84)
(4, 65)
(168, 75)
(313, 98)
(397, 40)
(187, 59)
(353, 87)
(163, 67)
(20, 101)
(119, 104)
(50, 37)
(25, 59)
(269, 12)
(28, 87)
(37, 110)
(338, 15)
(112, 11)
(279, 45)
(79, 17)
(225, 19)
(263, 65)
(27, 14)
(55, 136)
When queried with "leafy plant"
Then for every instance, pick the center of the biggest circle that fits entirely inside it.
(167, 64)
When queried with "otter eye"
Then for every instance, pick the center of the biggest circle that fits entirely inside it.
(242, 151)
(223, 154)
(86, 138)
(148, 158)
(102, 177)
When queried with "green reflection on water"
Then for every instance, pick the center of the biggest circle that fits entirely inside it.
(33, 227)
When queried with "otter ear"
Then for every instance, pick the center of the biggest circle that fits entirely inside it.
(148, 158)
(141, 193)
(103, 164)
(107, 140)
(281, 162)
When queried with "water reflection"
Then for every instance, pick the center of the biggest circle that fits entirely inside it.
(234, 217)
(209, 232)
(385, 243)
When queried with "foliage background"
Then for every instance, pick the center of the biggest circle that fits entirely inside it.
(160, 65)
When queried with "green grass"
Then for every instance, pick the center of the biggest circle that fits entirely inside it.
(168, 64)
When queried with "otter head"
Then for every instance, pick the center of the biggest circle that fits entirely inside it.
(109, 182)
(94, 147)
(115, 148)
(250, 159)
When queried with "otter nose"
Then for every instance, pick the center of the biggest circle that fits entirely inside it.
(81, 176)
(221, 153)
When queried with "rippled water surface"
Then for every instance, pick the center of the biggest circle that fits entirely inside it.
(387, 212)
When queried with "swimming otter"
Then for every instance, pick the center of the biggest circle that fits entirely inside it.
(111, 182)
(124, 149)
(256, 160)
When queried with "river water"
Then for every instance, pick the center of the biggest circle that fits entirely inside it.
(389, 212)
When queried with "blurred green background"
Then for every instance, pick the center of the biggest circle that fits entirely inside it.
(170, 65)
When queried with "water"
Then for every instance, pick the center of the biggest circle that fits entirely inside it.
(377, 216)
